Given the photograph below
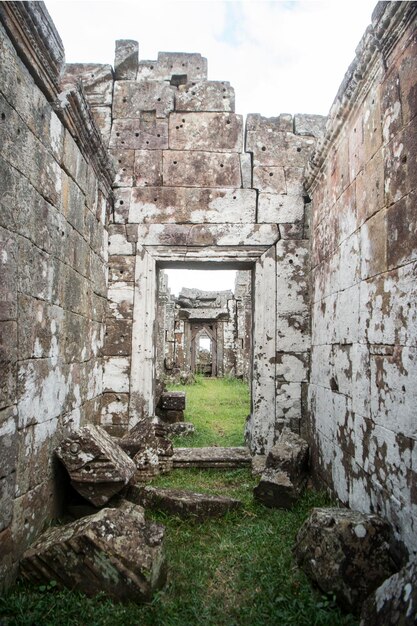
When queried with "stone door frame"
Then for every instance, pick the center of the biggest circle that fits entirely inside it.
(205, 328)
(260, 257)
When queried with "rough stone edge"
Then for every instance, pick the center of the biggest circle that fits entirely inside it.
(389, 22)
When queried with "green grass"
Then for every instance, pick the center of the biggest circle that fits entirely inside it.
(218, 408)
(233, 571)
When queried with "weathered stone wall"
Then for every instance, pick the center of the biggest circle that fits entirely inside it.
(55, 189)
(363, 391)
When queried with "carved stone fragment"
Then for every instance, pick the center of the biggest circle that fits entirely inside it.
(150, 449)
(97, 467)
(182, 502)
(395, 601)
(346, 553)
(126, 59)
(115, 551)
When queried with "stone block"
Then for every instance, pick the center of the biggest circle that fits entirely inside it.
(8, 363)
(192, 205)
(123, 162)
(395, 601)
(370, 189)
(205, 96)
(114, 551)
(118, 243)
(209, 132)
(145, 132)
(401, 225)
(292, 366)
(201, 169)
(118, 338)
(180, 429)
(121, 205)
(126, 59)
(269, 179)
(278, 208)
(114, 409)
(172, 400)
(373, 242)
(97, 81)
(131, 98)
(120, 298)
(345, 553)
(313, 125)
(8, 441)
(98, 468)
(7, 488)
(121, 268)
(116, 374)
(246, 170)
(182, 502)
(148, 168)
(272, 146)
(170, 64)
(9, 276)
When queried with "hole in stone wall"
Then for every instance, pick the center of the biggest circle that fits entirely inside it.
(3, 116)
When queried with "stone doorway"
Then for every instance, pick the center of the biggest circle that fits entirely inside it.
(203, 349)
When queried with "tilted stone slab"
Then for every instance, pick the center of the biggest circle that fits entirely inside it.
(190, 65)
(130, 98)
(96, 78)
(201, 169)
(182, 502)
(221, 235)
(211, 457)
(126, 59)
(210, 132)
(114, 551)
(145, 132)
(190, 205)
(345, 553)
(206, 95)
(395, 601)
(98, 468)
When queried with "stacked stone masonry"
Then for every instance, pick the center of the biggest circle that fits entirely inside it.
(110, 175)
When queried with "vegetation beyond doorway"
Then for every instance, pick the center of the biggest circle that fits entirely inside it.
(218, 408)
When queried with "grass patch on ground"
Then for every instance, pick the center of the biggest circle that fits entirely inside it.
(233, 571)
(218, 408)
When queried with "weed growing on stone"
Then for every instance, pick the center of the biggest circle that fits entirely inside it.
(218, 408)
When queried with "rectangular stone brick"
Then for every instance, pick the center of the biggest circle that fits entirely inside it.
(121, 205)
(116, 374)
(40, 328)
(401, 231)
(121, 268)
(205, 96)
(279, 208)
(115, 409)
(123, 162)
(201, 169)
(269, 179)
(188, 205)
(370, 195)
(8, 275)
(148, 168)
(145, 132)
(277, 148)
(210, 132)
(169, 64)
(120, 297)
(118, 243)
(118, 338)
(130, 98)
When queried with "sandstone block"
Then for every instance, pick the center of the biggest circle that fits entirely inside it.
(97, 467)
(118, 338)
(211, 457)
(114, 410)
(182, 502)
(148, 168)
(126, 59)
(395, 601)
(115, 551)
(186, 204)
(122, 268)
(272, 146)
(116, 374)
(191, 66)
(314, 125)
(150, 449)
(210, 132)
(205, 96)
(279, 208)
(346, 553)
(269, 179)
(131, 98)
(201, 169)
(121, 205)
(172, 401)
(97, 81)
(8, 267)
(246, 170)
(118, 243)
(144, 132)
(123, 162)
(180, 429)
(120, 300)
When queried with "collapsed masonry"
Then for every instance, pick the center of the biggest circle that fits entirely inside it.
(204, 332)
(333, 280)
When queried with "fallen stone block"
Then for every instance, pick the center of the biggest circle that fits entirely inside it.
(115, 551)
(395, 601)
(212, 456)
(180, 429)
(285, 474)
(149, 447)
(345, 553)
(97, 467)
(258, 464)
(182, 502)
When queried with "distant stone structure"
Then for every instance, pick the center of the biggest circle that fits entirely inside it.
(222, 318)
(110, 175)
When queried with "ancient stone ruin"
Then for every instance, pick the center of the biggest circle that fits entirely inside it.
(111, 175)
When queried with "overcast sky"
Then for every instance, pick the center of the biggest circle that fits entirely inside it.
(280, 56)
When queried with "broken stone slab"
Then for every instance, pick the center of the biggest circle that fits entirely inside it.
(182, 502)
(97, 467)
(346, 553)
(115, 550)
(211, 457)
(181, 429)
(395, 601)
(172, 401)
(126, 59)
(147, 443)
(285, 474)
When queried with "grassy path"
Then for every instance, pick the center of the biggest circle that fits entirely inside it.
(218, 408)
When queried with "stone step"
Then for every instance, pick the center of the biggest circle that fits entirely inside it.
(182, 502)
(211, 457)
